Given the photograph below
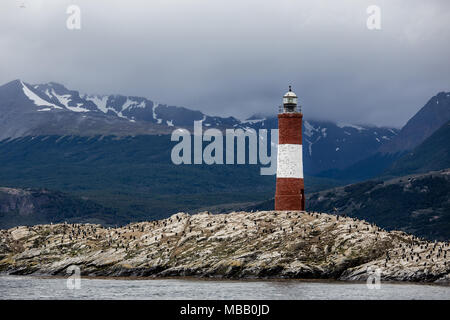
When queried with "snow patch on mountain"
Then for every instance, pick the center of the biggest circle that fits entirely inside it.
(36, 99)
(130, 104)
(156, 105)
(309, 129)
(142, 105)
(347, 125)
(311, 144)
(102, 104)
(127, 104)
(99, 101)
(65, 99)
(253, 121)
(393, 132)
(78, 108)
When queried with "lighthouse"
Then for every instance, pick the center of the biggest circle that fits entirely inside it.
(290, 189)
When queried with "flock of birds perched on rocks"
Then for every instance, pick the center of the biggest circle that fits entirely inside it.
(301, 239)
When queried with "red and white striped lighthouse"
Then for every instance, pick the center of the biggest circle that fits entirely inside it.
(290, 190)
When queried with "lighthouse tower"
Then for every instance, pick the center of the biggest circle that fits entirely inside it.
(290, 190)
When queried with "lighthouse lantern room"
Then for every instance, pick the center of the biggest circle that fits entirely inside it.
(290, 193)
(290, 101)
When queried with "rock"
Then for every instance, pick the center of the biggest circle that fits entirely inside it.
(264, 244)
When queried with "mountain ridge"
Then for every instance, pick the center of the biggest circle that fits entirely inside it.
(432, 154)
(415, 203)
(52, 109)
(426, 121)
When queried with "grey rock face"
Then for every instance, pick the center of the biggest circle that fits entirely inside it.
(265, 244)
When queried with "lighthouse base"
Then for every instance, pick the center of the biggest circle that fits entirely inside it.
(290, 195)
(289, 203)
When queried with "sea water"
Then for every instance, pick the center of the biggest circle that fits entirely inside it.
(31, 287)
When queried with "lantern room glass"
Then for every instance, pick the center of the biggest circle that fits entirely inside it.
(290, 100)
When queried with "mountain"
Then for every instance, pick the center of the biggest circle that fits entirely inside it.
(427, 120)
(337, 146)
(114, 152)
(52, 109)
(133, 175)
(367, 168)
(417, 204)
(327, 145)
(431, 154)
(38, 206)
(26, 111)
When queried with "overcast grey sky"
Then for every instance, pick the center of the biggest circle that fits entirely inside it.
(237, 57)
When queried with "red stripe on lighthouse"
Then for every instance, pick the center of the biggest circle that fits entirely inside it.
(290, 128)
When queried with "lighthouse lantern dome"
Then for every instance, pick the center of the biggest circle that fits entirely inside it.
(290, 101)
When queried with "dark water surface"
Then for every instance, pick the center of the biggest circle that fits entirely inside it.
(29, 287)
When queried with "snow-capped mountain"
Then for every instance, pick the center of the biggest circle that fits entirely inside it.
(52, 109)
(329, 145)
(51, 97)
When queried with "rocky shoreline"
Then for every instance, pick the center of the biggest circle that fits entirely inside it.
(238, 245)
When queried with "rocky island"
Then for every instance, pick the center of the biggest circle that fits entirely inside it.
(238, 245)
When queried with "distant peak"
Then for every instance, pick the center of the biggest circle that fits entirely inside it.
(443, 95)
(50, 84)
(17, 82)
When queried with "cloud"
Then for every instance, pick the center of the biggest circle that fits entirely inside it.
(238, 57)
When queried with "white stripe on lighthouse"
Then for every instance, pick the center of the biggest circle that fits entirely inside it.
(290, 161)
